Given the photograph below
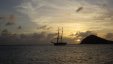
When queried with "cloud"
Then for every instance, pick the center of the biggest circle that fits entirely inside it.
(81, 35)
(79, 9)
(63, 11)
(33, 13)
(44, 27)
(45, 11)
(19, 27)
(36, 10)
(103, 9)
(109, 36)
(1, 18)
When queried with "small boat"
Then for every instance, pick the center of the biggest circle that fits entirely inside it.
(59, 40)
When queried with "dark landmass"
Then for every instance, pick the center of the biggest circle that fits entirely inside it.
(92, 39)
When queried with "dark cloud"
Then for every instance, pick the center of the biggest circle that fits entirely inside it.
(79, 9)
(36, 38)
(44, 37)
(5, 32)
(82, 35)
(109, 36)
(9, 23)
(107, 15)
(106, 11)
(7, 5)
(1, 18)
(44, 27)
(51, 35)
(19, 27)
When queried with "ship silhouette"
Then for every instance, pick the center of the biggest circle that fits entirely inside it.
(59, 39)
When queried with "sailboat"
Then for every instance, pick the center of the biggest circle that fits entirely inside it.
(59, 40)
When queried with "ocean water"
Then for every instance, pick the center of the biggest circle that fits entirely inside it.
(49, 54)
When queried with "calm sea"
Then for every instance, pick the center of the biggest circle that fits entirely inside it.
(49, 54)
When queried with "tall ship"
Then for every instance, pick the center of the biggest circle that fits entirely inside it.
(59, 39)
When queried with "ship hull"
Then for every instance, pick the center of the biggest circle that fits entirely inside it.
(59, 44)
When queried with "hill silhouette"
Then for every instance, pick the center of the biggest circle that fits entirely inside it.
(93, 39)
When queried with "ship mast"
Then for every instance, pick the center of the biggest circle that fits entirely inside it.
(58, 36)
(62, 34)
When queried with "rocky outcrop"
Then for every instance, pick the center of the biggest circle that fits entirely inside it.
(92, 39)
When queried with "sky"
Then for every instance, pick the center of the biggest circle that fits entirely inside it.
(36, 16)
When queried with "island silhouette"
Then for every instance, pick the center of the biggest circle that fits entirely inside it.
(93, 39)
